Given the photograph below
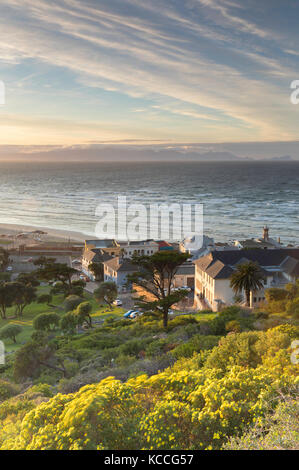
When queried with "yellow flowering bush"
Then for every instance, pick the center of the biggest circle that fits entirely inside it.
(183, 407)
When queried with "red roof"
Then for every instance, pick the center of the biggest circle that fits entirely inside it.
(163, 244)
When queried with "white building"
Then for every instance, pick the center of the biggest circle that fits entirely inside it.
(139, 248)
(89, 257)
(213, 273)
(264, 242)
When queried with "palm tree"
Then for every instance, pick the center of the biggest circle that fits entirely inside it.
(247, 277)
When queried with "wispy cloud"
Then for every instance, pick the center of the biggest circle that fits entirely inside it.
(212, 63)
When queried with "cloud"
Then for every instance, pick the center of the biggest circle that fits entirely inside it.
(190, 59)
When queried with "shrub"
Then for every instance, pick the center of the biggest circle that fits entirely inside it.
(156, 348)
(196, 344)
(72, 302)
(7, 390)
(68, 323)
(46, 321)
(44, 299)
(234, 326)
(10, 331)
(82, 313)
(277, 430)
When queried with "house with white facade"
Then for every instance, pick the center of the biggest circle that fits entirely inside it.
(213, 273)
(139, 248)
(96, 255)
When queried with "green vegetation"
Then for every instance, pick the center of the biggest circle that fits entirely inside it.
(80, 376)
(106, 292)
(278, 429)
(155, 276)
(247, 277)
(4, 258)
(10, 332)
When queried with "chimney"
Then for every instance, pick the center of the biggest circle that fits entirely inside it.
(266, 233)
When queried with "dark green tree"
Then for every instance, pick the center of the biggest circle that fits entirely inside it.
(10, 331)
(23, 295)
(98, 271)
(44, 299)
(155, 276)
(46, 321)
(43, 261)
(106, 292)
(7, 294)
(72, 302)
(82, 313)
(29, 279)
(4, 259)
(57, 272)
(69, 322)
(35, 355)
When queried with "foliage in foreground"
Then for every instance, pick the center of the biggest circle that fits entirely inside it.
(277, 430)
(195, 404)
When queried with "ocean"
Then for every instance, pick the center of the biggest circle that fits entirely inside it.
(239, 198)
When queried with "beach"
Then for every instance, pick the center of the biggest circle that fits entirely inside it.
(13, 235)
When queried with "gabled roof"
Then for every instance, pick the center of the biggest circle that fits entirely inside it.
(291, 266)
(219, 270)
(222, 263)
(186, 268)
(118, 265)
(96, 255)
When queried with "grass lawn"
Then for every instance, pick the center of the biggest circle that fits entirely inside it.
(34, 309)
(204, 316)
(102, 313)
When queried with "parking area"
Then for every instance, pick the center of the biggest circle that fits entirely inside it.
(24, 264)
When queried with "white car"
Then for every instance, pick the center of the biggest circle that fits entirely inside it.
(187, 288)
(117, 303)
(9, 268)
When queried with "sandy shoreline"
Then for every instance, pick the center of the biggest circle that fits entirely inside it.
(52, 235)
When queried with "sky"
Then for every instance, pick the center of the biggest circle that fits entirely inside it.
(150, 72)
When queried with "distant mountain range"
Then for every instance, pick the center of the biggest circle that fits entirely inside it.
(118, 154)
(283, 158)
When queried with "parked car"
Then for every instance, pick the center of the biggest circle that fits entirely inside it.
(128, 313)
(117, 303)
(187, 288)
(134, 314)
(9, 268)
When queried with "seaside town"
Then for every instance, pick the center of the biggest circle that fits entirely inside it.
(205, 275)
(149, 229)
